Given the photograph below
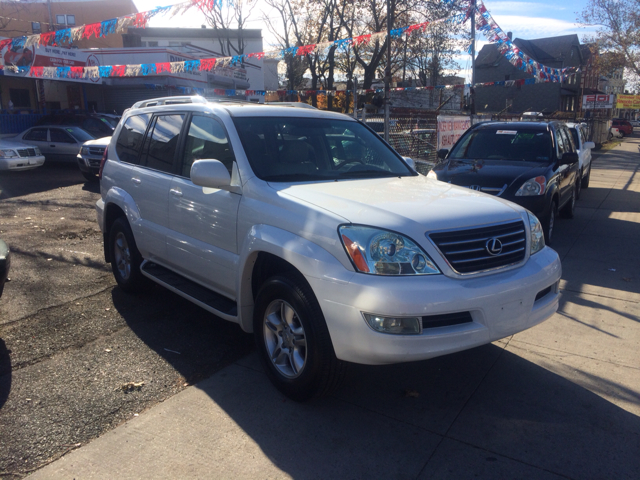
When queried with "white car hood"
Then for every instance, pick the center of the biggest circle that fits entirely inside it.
(100, 142)
(13, 144)
(405, 203)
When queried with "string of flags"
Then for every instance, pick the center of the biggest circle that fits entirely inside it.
(487, 25)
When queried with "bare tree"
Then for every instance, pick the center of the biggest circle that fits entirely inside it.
(618, 34)
(226, 17)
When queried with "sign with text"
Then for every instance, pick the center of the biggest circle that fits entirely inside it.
(628, 101)
(591, 102)
(450, 129)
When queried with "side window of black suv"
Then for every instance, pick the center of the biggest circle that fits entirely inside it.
(129, 144)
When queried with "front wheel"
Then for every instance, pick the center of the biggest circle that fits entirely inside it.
(125, 258)
(293, 340)
(569, 208)
(550, 222)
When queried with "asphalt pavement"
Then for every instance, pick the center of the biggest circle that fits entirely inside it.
(561, 400)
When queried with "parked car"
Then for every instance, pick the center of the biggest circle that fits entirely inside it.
(90, 155)
(579, 134)
(533, 164)
(19, 156)
(97, 126)
(5, 263)
(304, 227)
(624, 126)
(57, 144)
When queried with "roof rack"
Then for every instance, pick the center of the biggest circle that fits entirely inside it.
(169, 101)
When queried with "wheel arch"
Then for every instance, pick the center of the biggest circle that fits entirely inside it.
(117, 203)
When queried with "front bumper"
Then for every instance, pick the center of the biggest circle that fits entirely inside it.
(500, 305)
(89, 163)
(21, 163)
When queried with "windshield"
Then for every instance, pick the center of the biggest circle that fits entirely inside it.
(520, 144)
(79, 134)
(311, 149)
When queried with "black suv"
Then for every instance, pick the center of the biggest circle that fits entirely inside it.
(533, 164)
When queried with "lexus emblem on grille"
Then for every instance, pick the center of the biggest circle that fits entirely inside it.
(493, 246)
(474, 187)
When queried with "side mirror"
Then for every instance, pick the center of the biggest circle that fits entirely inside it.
(410, 162)
(589, 145)
(210, 174)
(443, 153)
(569, 158)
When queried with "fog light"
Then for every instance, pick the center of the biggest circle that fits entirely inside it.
(395, 325)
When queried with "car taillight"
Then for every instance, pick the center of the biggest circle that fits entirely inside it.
(102, 162)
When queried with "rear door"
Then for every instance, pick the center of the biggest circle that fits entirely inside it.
(202, 242)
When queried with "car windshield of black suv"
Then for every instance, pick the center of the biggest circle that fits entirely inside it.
(313, 149)
(504, 143)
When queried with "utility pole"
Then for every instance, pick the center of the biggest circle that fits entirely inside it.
(472, 91)
(387, 75)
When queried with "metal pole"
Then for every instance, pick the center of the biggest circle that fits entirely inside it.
(387, 76)
(355, 97)
(472, 93)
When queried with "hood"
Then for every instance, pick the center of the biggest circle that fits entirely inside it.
(489, 173)
(14, 143)
(98, 142)
(402, 204)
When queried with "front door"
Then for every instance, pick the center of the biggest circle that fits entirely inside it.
(202, 242)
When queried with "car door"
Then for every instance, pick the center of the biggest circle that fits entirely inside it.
(37, 136)
(63, 146)
(202, 242)
(585, 153)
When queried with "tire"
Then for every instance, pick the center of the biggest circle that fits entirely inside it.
(585, 180)
(293, 340)
(569, 208)
(125, 258)
(89, 177)
(550, 222)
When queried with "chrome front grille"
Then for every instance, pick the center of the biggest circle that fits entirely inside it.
(27, 152)
(98, 151)
(481, 249)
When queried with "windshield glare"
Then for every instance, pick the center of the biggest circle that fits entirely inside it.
(310, 149)
(519, 144)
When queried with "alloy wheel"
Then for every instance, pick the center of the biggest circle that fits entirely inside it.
(285, 339)
(122, 255)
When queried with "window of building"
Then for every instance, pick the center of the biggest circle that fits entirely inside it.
(36, 28)
(60, 19)
(20, 97)
(71, 20)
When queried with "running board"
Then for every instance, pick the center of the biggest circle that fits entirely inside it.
(211, 301)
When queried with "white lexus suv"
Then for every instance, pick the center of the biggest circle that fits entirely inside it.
(307, 229)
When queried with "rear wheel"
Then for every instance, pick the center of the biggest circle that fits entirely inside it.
(125, 258)
(550, 222)
(293, 340)
(579, 185)
(585, 180)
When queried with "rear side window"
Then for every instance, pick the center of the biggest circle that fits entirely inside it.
(206, 140)
(37, 135)
(129, 143)
(163, 142)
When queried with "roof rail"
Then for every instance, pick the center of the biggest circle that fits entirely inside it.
(169, 101)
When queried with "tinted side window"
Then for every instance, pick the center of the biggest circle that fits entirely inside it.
(206, 140)
(37, 135)
(129, 142)
(163, 142)
(562, 148)
(568, 141)
(60, 136)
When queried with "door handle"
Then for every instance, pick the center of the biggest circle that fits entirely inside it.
(175, 192)
(137, 181)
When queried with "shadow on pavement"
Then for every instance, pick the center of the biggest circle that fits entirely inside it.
(5, 373)
(47, 177)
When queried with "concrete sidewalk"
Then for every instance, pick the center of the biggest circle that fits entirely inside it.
(561, 400)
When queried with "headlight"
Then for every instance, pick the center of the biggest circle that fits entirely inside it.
(84, 151)
(8, 153)
(533, 186)
(381, 252)
(38, 152)
(537, 235)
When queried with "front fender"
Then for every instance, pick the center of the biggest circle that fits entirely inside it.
(307, 257)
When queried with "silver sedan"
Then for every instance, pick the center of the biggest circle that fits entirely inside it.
(57, 143)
